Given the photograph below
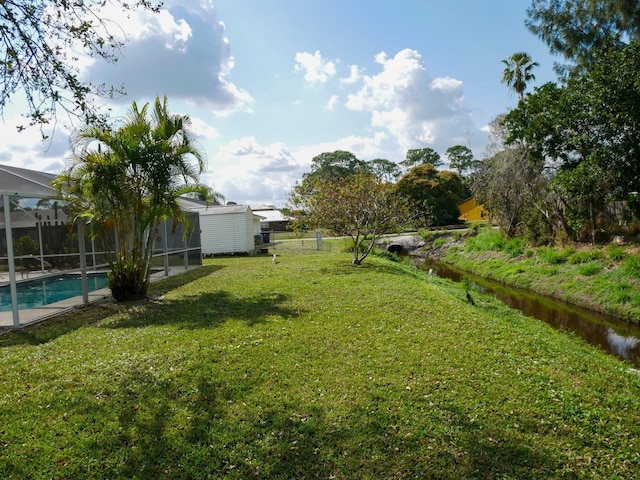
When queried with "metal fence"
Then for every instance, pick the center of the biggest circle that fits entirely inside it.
(38, 240)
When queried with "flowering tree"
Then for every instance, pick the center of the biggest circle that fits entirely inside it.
(359, 206)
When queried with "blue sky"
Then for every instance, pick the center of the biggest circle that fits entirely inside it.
(271, 84)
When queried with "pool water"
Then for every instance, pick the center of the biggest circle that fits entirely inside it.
(47, 290)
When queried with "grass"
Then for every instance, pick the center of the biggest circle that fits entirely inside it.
(605, 279)
(311, 368)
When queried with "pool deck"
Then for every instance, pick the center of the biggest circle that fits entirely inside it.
(34, 315)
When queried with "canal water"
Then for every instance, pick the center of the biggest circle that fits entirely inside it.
(613, 335)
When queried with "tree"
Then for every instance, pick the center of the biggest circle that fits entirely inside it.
(335, 164)
(125, 181)
(498, 135)
(328, 165)
(501, 184)
(593, 120)
(384, 169)
(359, 206)
(461, 158)
(25, 246)
(518, 71)
(434, 195)
(421, 156)
(579, 29)
(36, 41)
(584, 190)
(516, 190)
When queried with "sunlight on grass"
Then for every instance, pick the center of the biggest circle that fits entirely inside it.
(311, 368)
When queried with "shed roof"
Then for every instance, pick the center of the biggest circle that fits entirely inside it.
(225, 210)
(24, 182)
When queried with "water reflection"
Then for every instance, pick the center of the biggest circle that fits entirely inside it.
(615, 336)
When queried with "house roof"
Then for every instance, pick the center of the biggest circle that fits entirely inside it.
(274, 216)
(24, 182)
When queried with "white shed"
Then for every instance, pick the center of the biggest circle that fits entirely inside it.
(229, 229)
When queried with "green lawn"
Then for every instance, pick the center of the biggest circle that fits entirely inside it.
(311, 368)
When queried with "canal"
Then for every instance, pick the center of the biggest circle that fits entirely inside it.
(615, 336)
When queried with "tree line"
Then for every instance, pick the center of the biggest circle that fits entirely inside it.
(363, 199)
(554, 166)
(569, 152)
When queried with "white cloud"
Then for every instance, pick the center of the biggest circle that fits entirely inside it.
(354, 75)
(202, 130)
(247, 172)
(413, 107)
(182, 53)
(316, 69)
(27, 149)
(331, 104)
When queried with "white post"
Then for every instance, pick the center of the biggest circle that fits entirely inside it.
(165, 244)
(93, 252)
(83, 263)
(185, 246)
(10, 259)
(39, 225)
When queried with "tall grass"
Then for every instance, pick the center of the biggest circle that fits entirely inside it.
(595, 278)
(487, 240)
(631, 266)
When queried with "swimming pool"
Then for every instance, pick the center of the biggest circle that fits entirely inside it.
(47, 290)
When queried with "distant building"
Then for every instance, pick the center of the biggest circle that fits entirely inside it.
(273, 219)
(471, 210)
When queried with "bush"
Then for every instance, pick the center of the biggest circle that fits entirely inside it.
(589, 269)
(25, 245)
(386, 254)
(616, 253)
(631, 266)
(553, 256)
(440, 241)
(514, 247)
(584, 256)
(488, 240)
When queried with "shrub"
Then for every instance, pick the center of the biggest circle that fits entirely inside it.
(553, 256)
(631, 266)
(514, 247)
(616, 253)
(438, 242)
(584, 256)
(488, 240)
(589, 269)
(386, 254)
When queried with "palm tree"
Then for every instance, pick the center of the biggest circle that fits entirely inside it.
(518, 72)
(126, 180)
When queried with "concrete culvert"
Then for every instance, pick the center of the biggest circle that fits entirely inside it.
(397, 248)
